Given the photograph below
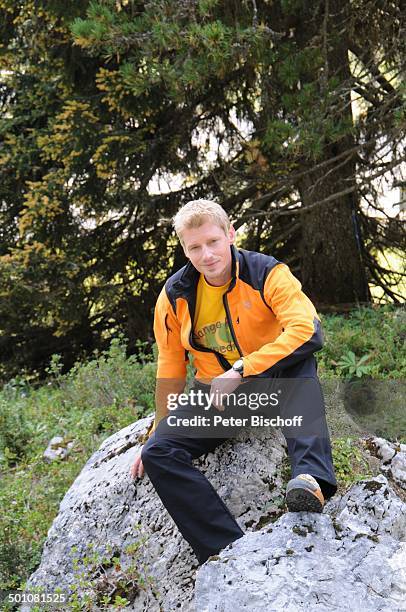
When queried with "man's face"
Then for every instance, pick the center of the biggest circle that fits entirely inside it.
(208, 248)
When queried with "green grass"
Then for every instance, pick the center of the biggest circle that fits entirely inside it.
(105, 394)
(377, 333)
(93, 401)
(349, 462)
(365, 351)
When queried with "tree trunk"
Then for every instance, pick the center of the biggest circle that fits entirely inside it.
(332, 268)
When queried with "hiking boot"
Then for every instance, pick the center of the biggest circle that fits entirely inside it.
(303, 494)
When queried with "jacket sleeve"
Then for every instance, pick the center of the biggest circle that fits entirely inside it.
(301, 330)
(172, 357)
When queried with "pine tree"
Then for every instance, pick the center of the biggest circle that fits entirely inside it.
(117, 112)
(273, 84)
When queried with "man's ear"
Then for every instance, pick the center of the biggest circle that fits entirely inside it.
(183, 246)
(231, 234)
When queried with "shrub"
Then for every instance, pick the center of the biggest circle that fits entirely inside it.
(366, 342)
(94, 400)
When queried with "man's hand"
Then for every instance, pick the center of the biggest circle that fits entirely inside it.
(225, 383)
(137, 469)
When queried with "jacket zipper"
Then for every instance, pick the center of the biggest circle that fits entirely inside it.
(222, 360)
(230, 325)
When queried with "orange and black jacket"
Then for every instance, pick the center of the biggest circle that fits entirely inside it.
(273, 323)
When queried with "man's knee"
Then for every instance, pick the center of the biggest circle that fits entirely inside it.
(150, 451)
(305, 368)
(157, 450)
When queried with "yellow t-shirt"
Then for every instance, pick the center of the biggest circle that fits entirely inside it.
(211, 328)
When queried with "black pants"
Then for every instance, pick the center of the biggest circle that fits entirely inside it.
(199, 513)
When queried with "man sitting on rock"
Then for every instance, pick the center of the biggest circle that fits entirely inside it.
(242, 316)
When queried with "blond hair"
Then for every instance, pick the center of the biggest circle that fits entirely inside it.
(196, 212)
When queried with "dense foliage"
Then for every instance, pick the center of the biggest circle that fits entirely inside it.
(289, 113)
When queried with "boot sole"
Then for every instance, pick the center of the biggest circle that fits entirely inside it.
(302, 500)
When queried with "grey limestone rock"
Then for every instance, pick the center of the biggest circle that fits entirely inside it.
(393, 459)
(353, 556)
(305, 561)
(371, 507)
(58, 448)
(106, 515)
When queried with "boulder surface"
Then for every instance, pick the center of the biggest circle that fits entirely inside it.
(113, 537)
